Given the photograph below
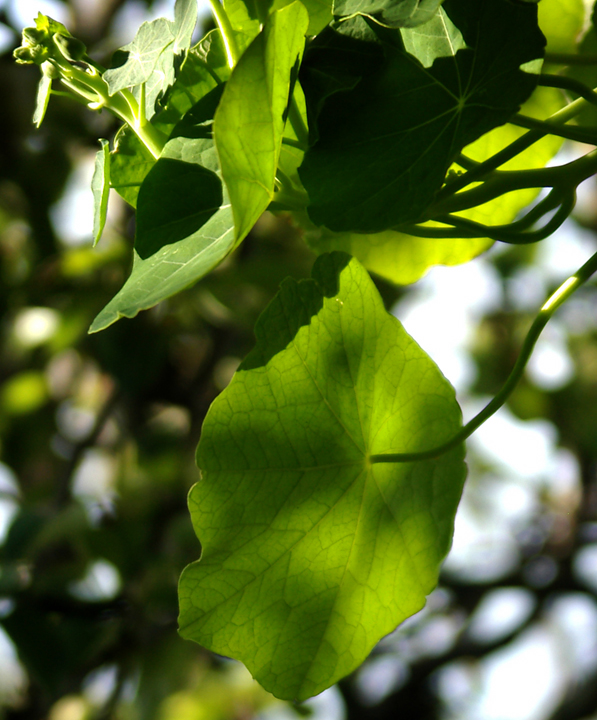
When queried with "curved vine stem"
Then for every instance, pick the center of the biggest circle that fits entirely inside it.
(579, 134)
(515, 233)
(560, 296)
(565, 83)
(228, 34)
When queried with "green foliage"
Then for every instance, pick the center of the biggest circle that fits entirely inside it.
(302, 536)
(332, 464)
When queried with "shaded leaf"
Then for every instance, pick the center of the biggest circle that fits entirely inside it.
(310, 553)
(100, 186)
(384, 147)
(402, 258)
(250, 119)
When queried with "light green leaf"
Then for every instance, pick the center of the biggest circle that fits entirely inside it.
(184, 219)
(44, 90)
(404, 259)
(250, 119)
(562, 22)
(100, 186)
(392, 13)
(246, 16)
(437, 38)
(310, 554)
(151, 40)
(150, 66)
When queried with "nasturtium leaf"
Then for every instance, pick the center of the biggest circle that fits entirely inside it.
(404, 259)
(384, 147)
(562, 22)
(311, 554)
(251, 116)
(100, 186)
(392, 13)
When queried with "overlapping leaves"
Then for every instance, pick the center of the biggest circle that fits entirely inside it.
(384, 146)
(310, 553)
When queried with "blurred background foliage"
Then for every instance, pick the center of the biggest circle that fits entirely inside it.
(97, 440)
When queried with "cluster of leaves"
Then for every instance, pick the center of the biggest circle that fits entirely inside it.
(332, 465)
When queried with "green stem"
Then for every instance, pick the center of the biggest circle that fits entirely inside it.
(458, 227)
(298, 124)
(511, 234)
(565, 83)
(569, 59)
(510, 151)
(565, 177)
(551, 305)
(228, 34)
(579, 134)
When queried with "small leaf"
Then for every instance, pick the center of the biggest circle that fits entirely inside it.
(44, 90)
(151, 40)
(152, 56)
(311, 554)
(250, 119)
(437, 38)
(392, 13)
(100, 186)
(384, 147)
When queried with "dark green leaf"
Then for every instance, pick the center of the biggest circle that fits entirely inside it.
(392, 13)
(250, 119)
(385, 146)
(100, 186)
(310, 553)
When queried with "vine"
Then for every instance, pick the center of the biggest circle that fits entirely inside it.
(332, 465)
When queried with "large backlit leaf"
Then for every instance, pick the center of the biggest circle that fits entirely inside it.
(310, 553)
(250, 119)
(384, 147)
(393, 13)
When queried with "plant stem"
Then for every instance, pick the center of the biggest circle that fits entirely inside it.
(510, 151)
(298, 124)
(579, 134)
(557, 298)
(228, 35)
(569, 59)
(565, 83)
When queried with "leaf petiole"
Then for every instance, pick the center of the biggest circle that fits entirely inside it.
(579, 134)
(565, 290)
